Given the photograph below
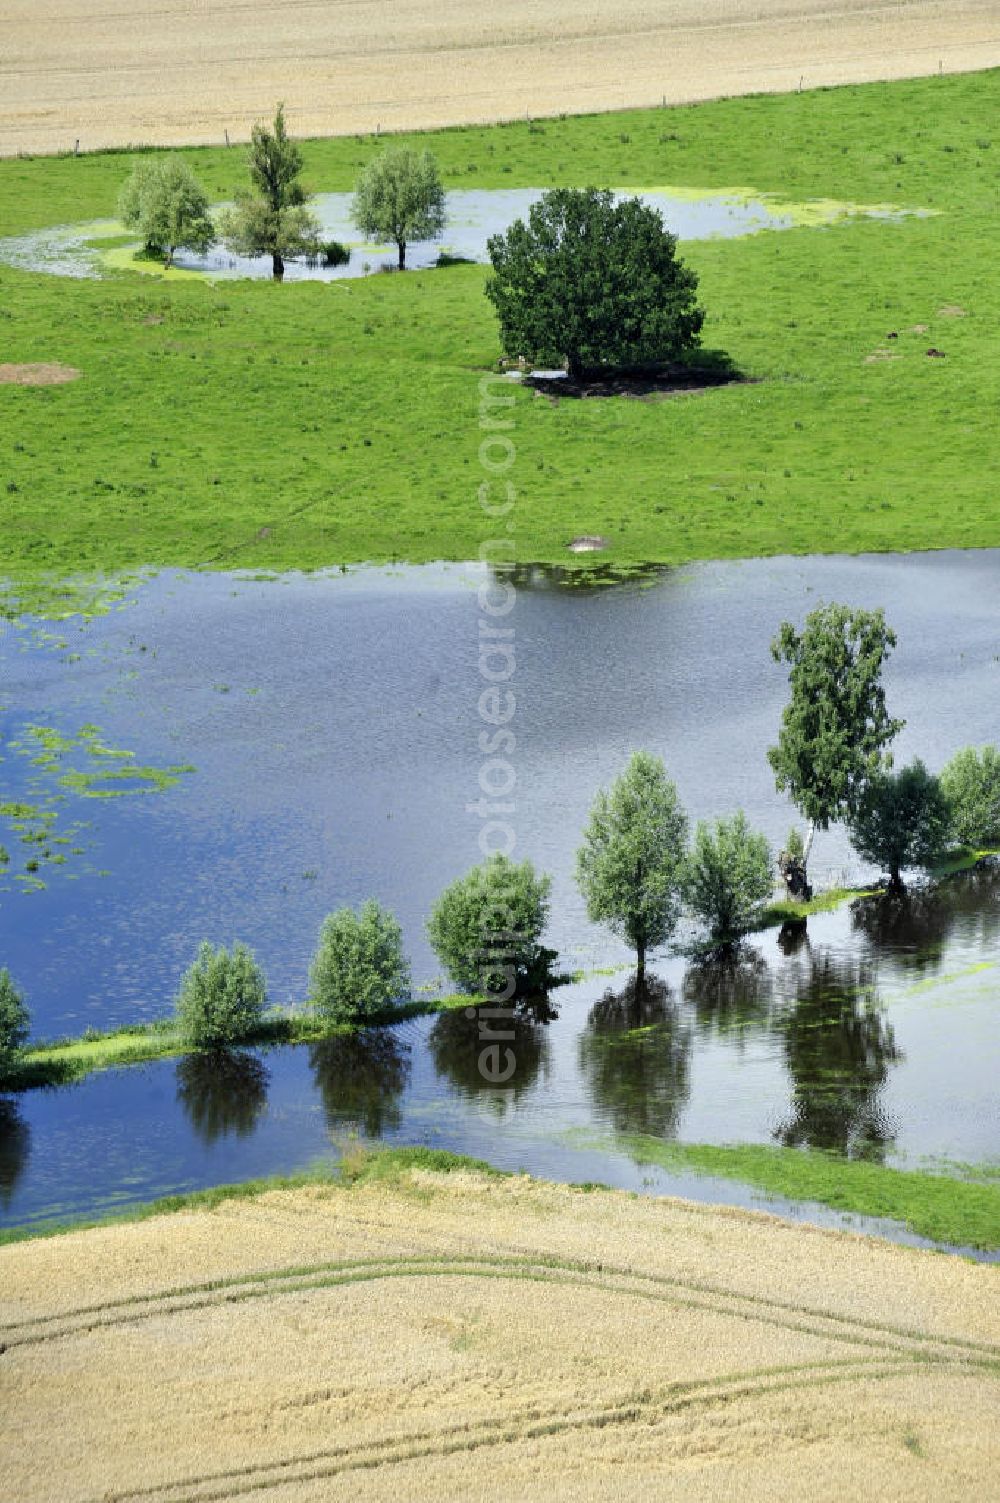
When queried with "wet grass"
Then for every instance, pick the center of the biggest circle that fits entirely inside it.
(246, 425)
(957, 1211)
(65, 1061)
(960, 1211)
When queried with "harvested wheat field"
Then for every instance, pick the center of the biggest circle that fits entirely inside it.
(461, 1336)
(170, 71)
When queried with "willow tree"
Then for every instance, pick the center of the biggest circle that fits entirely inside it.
(399, 197)
(631, 865)
(164, 201)
(272, 220)
(835, 729)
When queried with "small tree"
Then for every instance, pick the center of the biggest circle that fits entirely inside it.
(485, 928)
(835, 728)
(901, 819)
(163, 200)
(15, 1023)
(359, 968)
(592, 284)
(222, 998)
(399, 197)
(630, 865)
(728, 878)
(971, 784)
(273, 220)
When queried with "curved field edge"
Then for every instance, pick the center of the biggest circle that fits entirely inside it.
(952, 1211)
(244, 425)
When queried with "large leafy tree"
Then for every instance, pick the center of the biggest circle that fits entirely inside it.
(164, 201)
(399, 197)
(592, 284)
(631, 863)
(902, 819)
(835, 729)
(273, 219)
(486, 926)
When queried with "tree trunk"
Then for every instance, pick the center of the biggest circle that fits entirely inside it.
(277, 266)
(810, 837)
(640, 961)
(402, 254)
(896, 884)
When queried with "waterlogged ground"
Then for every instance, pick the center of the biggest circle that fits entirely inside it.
(306, 742)
(473, 216)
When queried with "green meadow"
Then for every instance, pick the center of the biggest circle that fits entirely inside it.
(246, 425)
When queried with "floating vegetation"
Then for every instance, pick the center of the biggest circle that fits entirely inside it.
(63, 766)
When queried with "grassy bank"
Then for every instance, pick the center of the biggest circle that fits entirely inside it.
(959, 1211)
(367, 392)
(952, 1209)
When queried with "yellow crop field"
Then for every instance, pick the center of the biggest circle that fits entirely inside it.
(459, 1337)
(114, 72)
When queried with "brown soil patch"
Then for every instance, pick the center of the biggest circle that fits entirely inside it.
(50, 373)
(171, 71)
(452, 1337)
(952, 310)
(877, 356)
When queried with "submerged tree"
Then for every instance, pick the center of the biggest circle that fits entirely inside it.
(835, 729)
(164, 201)
(901, 819)
(592, 284)
(971, 782)
(15, 1022)
(359, 969)
(272, 220)
(399, 197)
(728, 878)
(486, 926)
(630, 865)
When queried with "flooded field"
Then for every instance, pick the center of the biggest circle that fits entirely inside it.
(276, 748)
(473, 216)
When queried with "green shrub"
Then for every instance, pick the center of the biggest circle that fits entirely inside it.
(14, 1023)
(359, 968)
(971, 784)
(728, 877)
(222, 998)
(902, 819)
(486, 926)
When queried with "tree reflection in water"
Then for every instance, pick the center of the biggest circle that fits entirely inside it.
(635, 1057)
(731, 995)
(15, 1146)
(360, 1078)
(223, 1092)
(912, 929)
(458, 1038)
(838, 1048)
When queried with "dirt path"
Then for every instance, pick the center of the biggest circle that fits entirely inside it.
(114, 72)
(457, 1338)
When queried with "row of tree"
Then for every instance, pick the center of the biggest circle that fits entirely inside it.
(398, 197)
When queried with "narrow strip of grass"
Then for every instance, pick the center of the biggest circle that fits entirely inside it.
(65, 1061)
(959, 1212)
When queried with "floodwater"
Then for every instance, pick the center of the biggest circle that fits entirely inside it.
(473, 216)
(332, 724)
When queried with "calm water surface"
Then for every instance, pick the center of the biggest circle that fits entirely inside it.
(332, 724)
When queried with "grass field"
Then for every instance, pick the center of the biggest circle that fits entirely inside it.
(246, 425)
(458, 1334)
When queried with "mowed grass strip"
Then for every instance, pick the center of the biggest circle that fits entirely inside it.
(248, 425)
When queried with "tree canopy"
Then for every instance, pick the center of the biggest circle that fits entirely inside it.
(359, 969)
(594, 284)
(630, 865)
(835, 729)
(273, 219)
(728, 878)
(163, 200)
(399, 197)
(901, 819)
(971, 782)
(485, 928)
